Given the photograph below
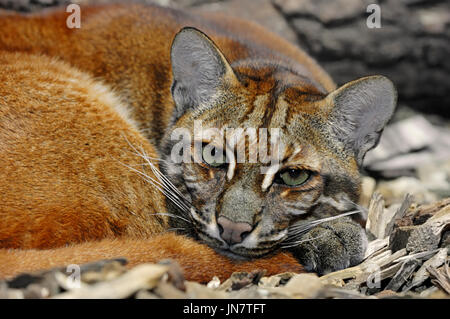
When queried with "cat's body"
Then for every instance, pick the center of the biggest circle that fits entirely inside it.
(66, 153)
(240, 77)
(128, 46)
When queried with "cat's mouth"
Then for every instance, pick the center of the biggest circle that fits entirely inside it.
(236, 252)
(243, 253)
(230, 254)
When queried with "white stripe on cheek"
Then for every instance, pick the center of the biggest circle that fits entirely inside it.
(270, 175)
(231, 168)
(229, 152)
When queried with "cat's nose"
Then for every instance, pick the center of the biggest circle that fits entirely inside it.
(231, 232)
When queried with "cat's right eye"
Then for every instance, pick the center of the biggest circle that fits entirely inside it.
(214, 156)
(293, 177)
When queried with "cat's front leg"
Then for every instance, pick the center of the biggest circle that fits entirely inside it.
(331, 246)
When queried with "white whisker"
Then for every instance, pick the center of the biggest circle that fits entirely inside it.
(173, 215)
(298, 230)
(160, 187)
(298, 242)
(164, 180)
(163, 184)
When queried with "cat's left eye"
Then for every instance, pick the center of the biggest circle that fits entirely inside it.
(293, 176)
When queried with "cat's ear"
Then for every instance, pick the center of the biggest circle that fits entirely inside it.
(360, 110)
(198, 68)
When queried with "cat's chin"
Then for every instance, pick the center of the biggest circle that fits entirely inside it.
(228, 253)
(238, 252)
(241, 256)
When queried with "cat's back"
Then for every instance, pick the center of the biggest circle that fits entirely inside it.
(64, 142)
(129, 45)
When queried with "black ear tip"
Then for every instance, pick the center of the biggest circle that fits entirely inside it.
(190, 32)
(188, 35)
(189, 29)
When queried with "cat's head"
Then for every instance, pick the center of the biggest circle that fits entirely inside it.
(309, 145)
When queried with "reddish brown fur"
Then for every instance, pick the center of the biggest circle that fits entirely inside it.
(198, 261)
(61, 149)
(102, 47)
(62, 145)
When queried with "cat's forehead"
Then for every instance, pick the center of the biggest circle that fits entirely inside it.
(262, 76)
(289, 113)
(267, 101)
(297, 117)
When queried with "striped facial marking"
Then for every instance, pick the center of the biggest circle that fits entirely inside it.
(245, 205)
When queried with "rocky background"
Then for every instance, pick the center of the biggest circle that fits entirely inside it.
(412, 46)
(410, 233)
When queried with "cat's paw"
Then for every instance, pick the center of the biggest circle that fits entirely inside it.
(332, 246)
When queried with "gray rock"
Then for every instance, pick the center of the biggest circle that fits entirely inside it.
(259, 11)
(324, 10)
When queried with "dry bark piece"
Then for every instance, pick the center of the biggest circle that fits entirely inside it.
(101, 264)
(380, 220)
(386, 294)
(306, 285)
(144, 276)
(239, 280)
(375, 246)
(276, 280)
(420, 214)
(195, 290)
(175, 273)
(376, 208)
(35, 291)
(102, 271)
(427, 237)
(399, 237)
(10, 293)
(399, 213)
(403, 274)
(167, 290)
(214, 283)
(442, 277)
(428, 292)
(390, 271)
(145, 294)
(301, 286)
(363, 272)
(333, 292)
(422, 274)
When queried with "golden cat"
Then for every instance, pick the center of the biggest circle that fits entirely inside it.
(230, 75)
(66, 148)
